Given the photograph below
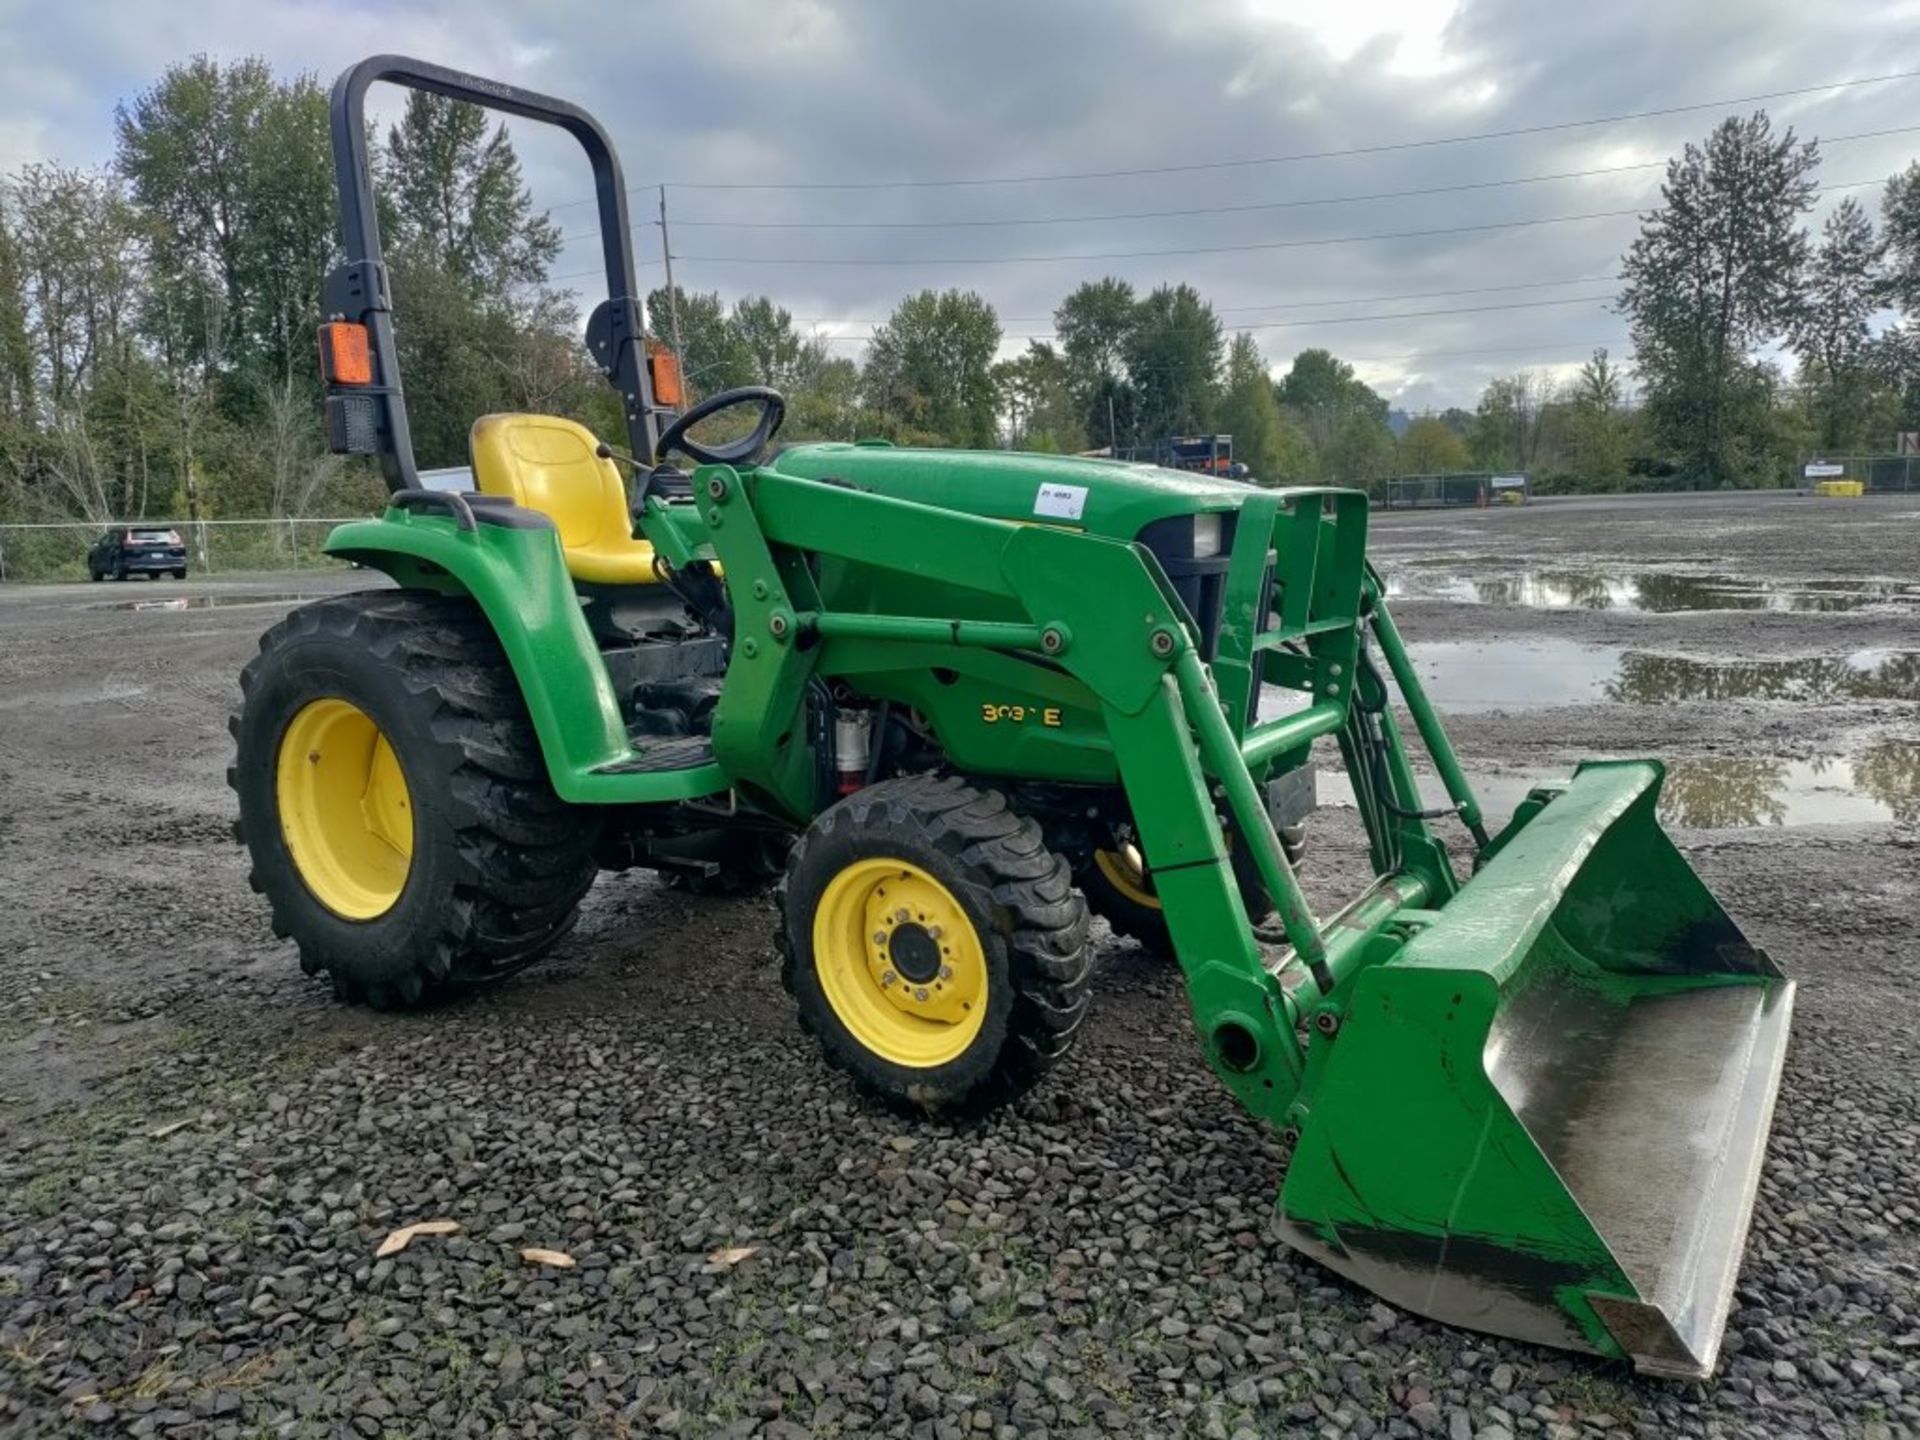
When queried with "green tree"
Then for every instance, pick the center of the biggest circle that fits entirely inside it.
(1895, 358)
(1430, 447)
(1173, 357)
(928, 372)
(1320, 392)
(826, 405)
(232, 170)
(455, 200)
(17, 390)
(88, 429)
(1842, 289)
(712, 356)
(1264, 439)
(1358, 453)
(1714, 273)
(1093, 324)
(1900, 224)
(1509, 422)
(1597, 421)
(774, 352)
(477, 329)
(1037, 396)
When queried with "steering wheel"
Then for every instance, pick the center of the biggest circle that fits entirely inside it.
(773, 410)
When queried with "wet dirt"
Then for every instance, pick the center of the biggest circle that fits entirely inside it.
(1657, 592)
(131, 945)
(1794, 728)
(210, 601)
(1875, 785)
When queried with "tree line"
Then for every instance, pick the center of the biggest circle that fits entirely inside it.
(157, 318)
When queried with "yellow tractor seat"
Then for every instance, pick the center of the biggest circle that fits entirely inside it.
(549, 464)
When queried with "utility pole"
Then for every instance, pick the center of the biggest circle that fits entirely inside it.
(1113, 431)
(673, 295)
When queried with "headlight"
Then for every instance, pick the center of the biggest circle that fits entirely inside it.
(1206, 535)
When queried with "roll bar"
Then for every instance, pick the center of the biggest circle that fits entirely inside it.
(372, 419)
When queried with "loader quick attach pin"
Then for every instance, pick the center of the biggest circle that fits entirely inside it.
(717, 488)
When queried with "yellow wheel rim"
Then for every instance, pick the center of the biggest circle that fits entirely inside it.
(1127, 873)
(344, 809)
(900, 963)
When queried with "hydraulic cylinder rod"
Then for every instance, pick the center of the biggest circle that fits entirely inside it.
(1290, 732)
(1425, 720)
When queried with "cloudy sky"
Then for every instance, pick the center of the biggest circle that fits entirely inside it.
(812, 147)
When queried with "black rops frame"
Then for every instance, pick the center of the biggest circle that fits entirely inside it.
(358, 289)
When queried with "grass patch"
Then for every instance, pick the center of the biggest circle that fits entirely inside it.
(46, 1194)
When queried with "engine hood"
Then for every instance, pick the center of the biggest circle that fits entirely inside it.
(1103, 497)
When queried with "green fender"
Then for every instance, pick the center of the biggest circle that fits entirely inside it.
(518, 578)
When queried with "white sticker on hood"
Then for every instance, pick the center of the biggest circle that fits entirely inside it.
(1062, 502)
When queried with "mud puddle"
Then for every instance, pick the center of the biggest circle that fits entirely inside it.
(1464, 675)
(1876, 784)
(1651, 592)
(206, 602)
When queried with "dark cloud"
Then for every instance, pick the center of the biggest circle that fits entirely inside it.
(814, 92)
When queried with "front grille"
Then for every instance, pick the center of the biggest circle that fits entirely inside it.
(1199, 581)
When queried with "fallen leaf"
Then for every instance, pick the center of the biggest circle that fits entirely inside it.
(559, 1259)
(160, 1132)
(404, 1236)
(732, 1254)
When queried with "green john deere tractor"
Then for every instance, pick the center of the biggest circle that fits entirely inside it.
(948, 698)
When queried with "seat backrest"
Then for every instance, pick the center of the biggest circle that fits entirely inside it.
(547, 463)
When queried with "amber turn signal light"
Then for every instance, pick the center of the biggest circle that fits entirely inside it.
(663, 371)
(346, 354)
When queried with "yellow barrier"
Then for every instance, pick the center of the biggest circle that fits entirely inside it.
(1845, 488)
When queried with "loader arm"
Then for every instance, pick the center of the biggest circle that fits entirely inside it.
(1467, 1070)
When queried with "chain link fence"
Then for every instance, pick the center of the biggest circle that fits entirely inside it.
(58, 550)
(1881, 474)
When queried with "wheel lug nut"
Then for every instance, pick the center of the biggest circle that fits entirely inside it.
(888, 978)
(933, 931)
(946, 972)
(920, 992)
(879, 937)
(900, 917)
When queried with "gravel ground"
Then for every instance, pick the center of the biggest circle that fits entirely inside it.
(201, 1151)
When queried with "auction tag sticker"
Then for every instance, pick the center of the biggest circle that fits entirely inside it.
(1062, 502)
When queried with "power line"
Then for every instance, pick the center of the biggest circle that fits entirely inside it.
(1246, 247)
(1204, 165)
(1288, 159)
(1338, 319)
(1188, 212)
(1543, 347)
(1275, 304)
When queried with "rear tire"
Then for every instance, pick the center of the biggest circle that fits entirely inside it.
(1122, 895)
(985, 939)
(497, 863)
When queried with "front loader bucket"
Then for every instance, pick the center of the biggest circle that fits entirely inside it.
(1544, 1116)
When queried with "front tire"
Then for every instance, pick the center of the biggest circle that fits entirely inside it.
(394, 800)
(933, 945)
